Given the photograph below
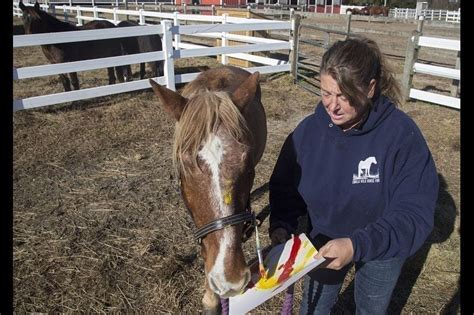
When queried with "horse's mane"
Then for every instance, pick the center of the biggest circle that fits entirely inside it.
(54, 24)
(202, 116)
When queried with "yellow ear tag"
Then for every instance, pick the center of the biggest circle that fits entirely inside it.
(227, 198)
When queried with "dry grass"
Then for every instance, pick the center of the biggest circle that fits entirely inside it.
(99, 224)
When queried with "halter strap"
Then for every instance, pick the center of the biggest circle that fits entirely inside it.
(221, 223)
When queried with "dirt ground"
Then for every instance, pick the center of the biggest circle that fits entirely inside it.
(99, 224)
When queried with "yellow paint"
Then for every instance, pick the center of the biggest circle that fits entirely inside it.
(267, 283)
(308, 256)
(227, 198)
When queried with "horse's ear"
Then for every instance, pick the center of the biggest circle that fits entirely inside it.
(173, 103)
(37, 5)
(246, 91)
(22, 6)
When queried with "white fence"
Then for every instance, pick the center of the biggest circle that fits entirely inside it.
(171, 39)
(413, 67)
(404, 13)
(433, 15)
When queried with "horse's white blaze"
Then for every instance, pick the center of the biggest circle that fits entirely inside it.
(212, 153)
(217, 271)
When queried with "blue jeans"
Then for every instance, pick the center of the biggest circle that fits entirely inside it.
(374, 284)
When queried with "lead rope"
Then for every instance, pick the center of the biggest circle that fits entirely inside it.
(287, 307)
(224, 306)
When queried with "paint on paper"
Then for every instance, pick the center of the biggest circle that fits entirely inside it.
(284, 265)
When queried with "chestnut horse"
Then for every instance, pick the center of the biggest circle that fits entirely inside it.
(37, 21)
(220, 137)
(378, 10)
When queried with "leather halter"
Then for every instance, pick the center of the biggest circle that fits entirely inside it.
(247, 217)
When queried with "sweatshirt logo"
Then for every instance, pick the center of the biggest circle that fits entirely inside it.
(367, 172)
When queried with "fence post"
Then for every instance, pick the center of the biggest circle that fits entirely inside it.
(66, 18)
(126, 8)
(177, 38)
(168, 70)
(348, 24)
(213, 9)
(295, 30)
(327, 39)
(78, 16)
(410, 59)
(224, 39)
(456, 83)
(96, 14)
(160, 7)
(116, 20)
(141, 17)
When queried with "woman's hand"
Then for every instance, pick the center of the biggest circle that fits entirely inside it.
(338, 251)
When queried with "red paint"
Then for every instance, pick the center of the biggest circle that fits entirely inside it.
(288, 265)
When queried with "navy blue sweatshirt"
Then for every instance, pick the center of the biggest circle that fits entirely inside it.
(377, 185)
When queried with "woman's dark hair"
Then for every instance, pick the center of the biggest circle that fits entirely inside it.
(353, 63)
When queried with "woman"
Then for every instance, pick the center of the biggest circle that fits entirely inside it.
(362, 172)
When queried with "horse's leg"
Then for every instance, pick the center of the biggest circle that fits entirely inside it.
(65, 82)
(74, 80)
(142, 71)
(128, 71)
(124, 73)
(210, 302)
(111, 74)
(119, 70)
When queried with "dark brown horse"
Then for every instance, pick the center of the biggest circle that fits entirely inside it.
(37, 21)
(141, 44)
(220, 137)
(356, 11)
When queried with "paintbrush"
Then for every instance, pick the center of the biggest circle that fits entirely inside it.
(261, 267)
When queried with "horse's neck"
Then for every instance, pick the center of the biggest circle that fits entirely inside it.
(54, 25)
(256, 121)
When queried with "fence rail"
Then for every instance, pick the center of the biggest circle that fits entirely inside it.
(413, 67)
(173, 48)
(428, 14)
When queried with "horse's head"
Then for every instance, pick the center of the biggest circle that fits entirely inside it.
(213, 153)
(32, 18)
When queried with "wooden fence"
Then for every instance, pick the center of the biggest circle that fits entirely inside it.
(173, 48)
(413, 67)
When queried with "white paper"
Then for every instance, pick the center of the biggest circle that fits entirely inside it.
(284, 264)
